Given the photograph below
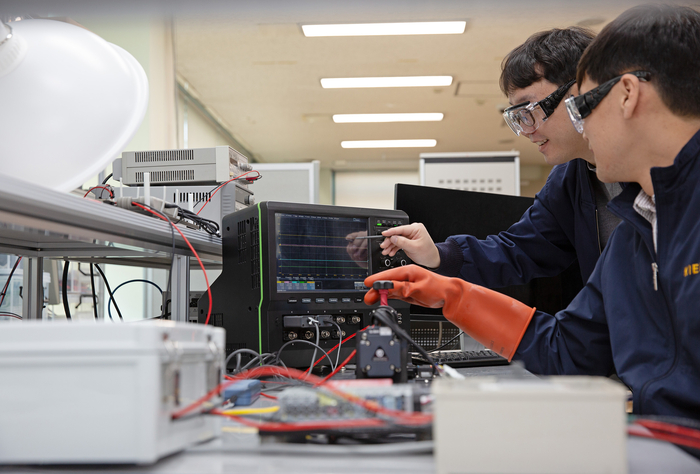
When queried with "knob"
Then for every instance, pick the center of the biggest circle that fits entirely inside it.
(383, 285)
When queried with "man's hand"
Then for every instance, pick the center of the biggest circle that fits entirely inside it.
(415, 241)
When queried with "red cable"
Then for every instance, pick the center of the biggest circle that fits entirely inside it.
(384, 297)
(268, 396)
(111, 193)
(231, 380)
(10, 315)
(669, 428)
(335, 347)
(337, 369)
(224, 184)
(191, 248)
(308, 425)
(661, 436)
(397, 415)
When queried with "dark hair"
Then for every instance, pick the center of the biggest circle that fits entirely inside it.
(661, 39)
(552, 55)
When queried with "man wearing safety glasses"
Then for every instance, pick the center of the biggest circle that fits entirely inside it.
(569, 220)
(638, 313)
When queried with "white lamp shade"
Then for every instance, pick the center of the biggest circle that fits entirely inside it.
(69, 106)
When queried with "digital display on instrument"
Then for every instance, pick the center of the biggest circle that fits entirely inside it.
(317, 253)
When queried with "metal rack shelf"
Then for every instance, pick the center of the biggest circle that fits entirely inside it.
(37, 222)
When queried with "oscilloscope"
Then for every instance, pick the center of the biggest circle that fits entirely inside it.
(283, 262)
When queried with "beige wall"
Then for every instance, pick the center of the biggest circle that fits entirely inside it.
(375, 189)
(532, 178)
(150, 42)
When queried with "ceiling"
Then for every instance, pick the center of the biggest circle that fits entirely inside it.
(249, 63)
(261, 75)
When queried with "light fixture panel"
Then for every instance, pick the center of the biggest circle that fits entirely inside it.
(386, 29)
(397, 81)
(386, 118)
(412, 143)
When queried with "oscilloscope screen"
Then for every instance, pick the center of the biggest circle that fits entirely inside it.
(317, 253)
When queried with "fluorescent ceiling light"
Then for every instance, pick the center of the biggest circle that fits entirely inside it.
(405, 81)
(387, 29)
(375, 118)
(389, 143)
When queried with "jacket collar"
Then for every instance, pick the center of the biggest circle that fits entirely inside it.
(683, 168)
(686, 166)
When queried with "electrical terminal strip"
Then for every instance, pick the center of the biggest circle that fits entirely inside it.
(299, 404)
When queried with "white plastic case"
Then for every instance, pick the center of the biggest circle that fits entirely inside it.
(81, 392)
(553, 425)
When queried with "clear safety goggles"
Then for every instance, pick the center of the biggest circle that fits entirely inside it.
(527, 117)
(581, 106)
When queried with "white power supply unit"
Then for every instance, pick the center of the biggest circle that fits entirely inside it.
(186, 166)
(81, 392)
(552, 425)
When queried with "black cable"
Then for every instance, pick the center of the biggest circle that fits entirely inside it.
(81, 271)
(109, 290)
(138, 280)
(104, 181)
(389, 322)
(166, 315)
(172, 255)
(209, 226)
(9, 279)
(66, 306)
(94, 296)
(447, 343)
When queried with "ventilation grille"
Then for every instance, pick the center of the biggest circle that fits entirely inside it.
(491, 185)
(167, 176)
(217, 319)
(234, 346)
(427, 335)
(196, 197)
(228, 204)
(242, 242)
(163, 156)
(255, 252)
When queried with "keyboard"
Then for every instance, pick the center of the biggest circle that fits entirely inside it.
(458, 359)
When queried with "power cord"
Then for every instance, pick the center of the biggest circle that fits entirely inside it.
(94, 297)
(9, 279)
(109, 290)
(111, 293)
(64, 284)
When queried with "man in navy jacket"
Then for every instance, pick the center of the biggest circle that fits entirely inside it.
(568, 220)
(638, 313)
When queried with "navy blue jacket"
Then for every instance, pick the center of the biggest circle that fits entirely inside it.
(621, 320)
(558, 228)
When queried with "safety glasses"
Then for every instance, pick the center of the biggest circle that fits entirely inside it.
(581, 106)
(527, 117)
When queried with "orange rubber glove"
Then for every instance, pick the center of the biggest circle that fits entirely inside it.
(495, 320)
